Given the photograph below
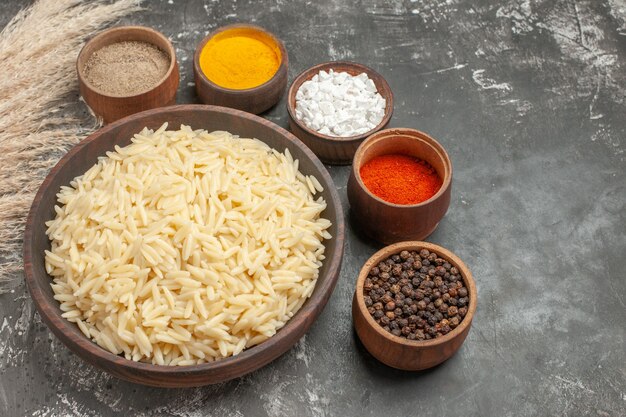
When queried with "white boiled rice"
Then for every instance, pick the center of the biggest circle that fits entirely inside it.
(186, 246)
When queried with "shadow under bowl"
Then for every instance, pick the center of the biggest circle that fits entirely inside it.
(399, 352)
(332, 149)
(387, 222)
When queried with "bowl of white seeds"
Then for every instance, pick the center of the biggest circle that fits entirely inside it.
(334, 106)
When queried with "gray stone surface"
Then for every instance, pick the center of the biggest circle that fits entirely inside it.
(528, 97)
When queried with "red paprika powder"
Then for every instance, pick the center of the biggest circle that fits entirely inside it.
(400, 179)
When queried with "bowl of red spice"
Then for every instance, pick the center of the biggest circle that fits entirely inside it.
(399, 186)
(413, 305)
(125, 70)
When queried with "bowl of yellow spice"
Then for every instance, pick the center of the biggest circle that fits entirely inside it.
(241, 66)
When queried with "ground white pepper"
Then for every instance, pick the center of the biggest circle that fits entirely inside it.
(126, 68)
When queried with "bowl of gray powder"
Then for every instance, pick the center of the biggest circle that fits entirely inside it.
(127, 69)
(334, 106)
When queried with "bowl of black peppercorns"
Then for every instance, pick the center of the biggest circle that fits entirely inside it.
(413, 305)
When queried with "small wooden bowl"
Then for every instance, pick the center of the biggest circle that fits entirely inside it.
(332, 149)
(399, 352)
(253, 100)
(111, 107)
(388, 222)
(86, 153)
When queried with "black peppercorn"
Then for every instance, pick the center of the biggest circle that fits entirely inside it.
(419, 296)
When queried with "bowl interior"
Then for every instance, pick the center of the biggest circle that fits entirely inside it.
(351, 68)
(240, 30)
(125, 34)
(211, 118)
(390, 250)
(405, 142)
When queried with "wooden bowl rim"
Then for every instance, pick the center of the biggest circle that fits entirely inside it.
(308, 73)
(130, 28)
(284, 59)
(416, 135)
(56, 323)
(444, 253)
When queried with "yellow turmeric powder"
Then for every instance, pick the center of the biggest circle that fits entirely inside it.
(240, 58)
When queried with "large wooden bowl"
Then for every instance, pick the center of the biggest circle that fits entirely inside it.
(253, 100)
(388, 222)
(86, 153)
(111, 107)
(331, 149)
(399, 352)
